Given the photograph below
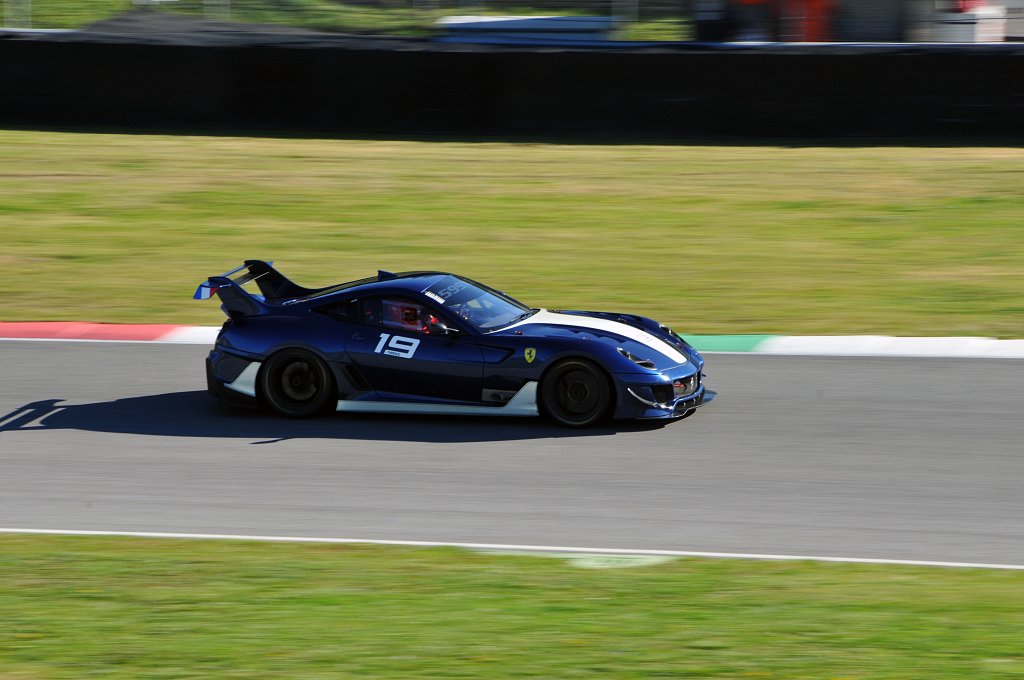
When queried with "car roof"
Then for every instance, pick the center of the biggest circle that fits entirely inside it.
(410, 282)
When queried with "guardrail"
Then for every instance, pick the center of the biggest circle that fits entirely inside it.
(318, 83)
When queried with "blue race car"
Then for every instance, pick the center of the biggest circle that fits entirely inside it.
(431, 342)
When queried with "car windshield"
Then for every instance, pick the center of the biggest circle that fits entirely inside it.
(484, 308)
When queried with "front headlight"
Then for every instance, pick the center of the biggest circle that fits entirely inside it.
(639, 361)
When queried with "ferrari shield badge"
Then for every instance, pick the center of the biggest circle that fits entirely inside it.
(530, 354)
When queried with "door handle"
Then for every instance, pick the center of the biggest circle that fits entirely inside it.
(359, 336)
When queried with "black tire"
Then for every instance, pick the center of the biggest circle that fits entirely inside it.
(296, 384)
(576, 393)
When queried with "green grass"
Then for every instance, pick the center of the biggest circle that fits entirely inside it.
(712, 239)
(410, 18)
(312, 14)
(131, 608)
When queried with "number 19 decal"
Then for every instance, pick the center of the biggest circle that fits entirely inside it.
(397, 346)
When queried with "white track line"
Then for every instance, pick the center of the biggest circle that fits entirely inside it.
(520, 548)
(888, 346)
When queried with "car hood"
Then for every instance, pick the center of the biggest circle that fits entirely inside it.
(625, 331)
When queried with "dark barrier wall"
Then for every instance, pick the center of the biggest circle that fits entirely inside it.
(419, 87)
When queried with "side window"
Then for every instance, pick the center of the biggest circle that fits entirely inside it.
(394, 314)
(402, 315)
(368, 311)
(339, 311)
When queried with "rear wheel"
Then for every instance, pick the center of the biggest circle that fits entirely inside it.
(576, 393)
(296, 383)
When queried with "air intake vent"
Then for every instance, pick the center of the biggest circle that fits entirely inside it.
(686, 386)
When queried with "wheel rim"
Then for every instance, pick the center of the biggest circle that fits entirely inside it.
(299, 383)
(578, 394)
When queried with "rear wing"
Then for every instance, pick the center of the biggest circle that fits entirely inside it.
(274, 288)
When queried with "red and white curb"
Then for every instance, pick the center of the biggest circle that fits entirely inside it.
(108, 332)
(781, 345)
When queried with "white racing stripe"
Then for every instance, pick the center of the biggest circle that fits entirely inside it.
(541, 549)
(616, 327)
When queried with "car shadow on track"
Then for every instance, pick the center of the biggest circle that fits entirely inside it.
(194, 414)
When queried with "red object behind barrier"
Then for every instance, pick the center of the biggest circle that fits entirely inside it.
(807, 20)
(969, 5)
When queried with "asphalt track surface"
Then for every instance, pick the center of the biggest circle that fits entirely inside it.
(848, 457)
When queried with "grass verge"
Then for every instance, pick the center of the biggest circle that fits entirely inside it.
(383, 18)
(712, 239)
(138, 608)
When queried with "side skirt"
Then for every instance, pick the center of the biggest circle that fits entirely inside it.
(523, 404)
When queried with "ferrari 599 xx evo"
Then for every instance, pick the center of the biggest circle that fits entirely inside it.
(433, 343)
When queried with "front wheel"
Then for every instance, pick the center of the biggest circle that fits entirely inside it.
(576, 393)
(296, 383)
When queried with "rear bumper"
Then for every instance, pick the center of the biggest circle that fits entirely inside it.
(218, 389)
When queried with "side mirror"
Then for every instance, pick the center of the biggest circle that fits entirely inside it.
(438, 327)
